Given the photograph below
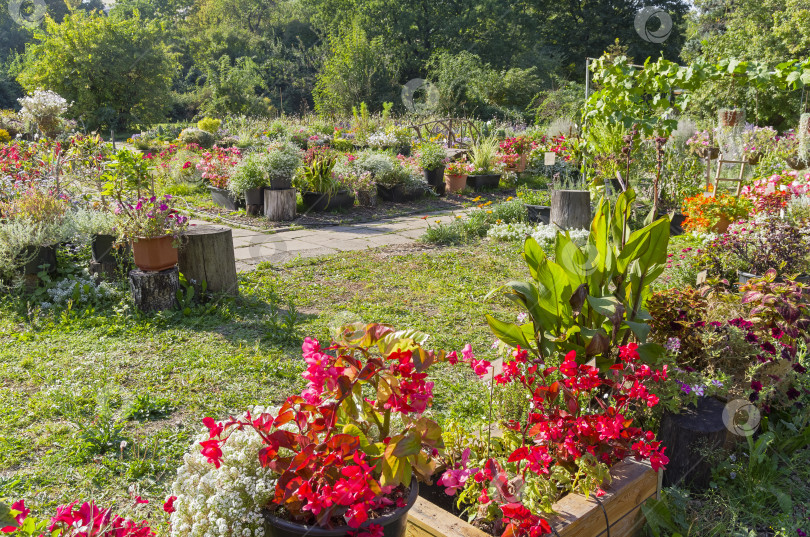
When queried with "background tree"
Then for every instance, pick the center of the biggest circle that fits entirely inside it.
(116, 73)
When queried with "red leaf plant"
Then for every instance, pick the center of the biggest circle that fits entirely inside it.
(578, 425)
(345, 449)
(73, 520)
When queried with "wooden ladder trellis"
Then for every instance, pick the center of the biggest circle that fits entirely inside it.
(718, 178)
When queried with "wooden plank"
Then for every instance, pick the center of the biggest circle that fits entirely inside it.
(633, 482)
(426, 519)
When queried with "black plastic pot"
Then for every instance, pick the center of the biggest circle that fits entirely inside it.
(102, 248)
(254, 196)
(394, 525)
(42, 255)
(538, 213)
(484, 182)
(675, 224)
(225, 198)
(281, 184)
(398, 193)
(435, 178)
(316, 201)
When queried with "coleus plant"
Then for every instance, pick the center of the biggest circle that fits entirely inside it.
(351, 442)
(589, 299)
(579, 424)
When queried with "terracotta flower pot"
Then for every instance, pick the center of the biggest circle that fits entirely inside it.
(154, 255)
(455, 183)
(521, 165)
(722, 225)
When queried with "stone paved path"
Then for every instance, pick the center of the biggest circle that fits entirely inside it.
(253, 247)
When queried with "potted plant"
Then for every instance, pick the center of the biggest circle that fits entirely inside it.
(455, 175)
(432, 158)
(486, 173)
(44, 213)
(320, 189)
(520, 146)
(249, 178)
(403, 182)
(756, 142)
(537, 202)
(734, 117)
(343, 457)
(216, 167)
(714, 213)
(703, 144)
(282, 162)
(153, 226)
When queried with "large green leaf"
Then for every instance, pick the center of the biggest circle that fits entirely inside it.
(509, 333)
(637, 245)
(573, 261)
(621, 215)
(554, 293)
(533, 255)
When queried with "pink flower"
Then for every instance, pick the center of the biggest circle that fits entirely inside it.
(23, 512)
(168, 505)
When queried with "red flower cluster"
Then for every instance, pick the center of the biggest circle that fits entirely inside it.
(570, 417)
(216, 165)
(90, 521)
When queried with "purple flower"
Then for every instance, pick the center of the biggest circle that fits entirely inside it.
(756, 386)
(152, 199)
(717, 383)
(685, 388)
(163, 207)
(698, 389)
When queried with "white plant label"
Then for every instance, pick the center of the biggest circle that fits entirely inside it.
(551, 158)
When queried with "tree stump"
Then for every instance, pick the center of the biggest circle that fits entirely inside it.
(254, 210)
(206, 255)
(571, 209)
(279, 205)
(686, 434)
(154, 291)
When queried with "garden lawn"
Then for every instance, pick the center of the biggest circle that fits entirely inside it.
(100, 402)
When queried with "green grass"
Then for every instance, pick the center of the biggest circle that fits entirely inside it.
(77, 383)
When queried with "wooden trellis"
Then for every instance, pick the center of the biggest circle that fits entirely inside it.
(453, 129)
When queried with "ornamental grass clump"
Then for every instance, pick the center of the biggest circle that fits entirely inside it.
(348, 446)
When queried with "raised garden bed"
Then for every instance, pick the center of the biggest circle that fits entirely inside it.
(577, 516)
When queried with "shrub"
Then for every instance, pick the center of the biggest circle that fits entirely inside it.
(44, 109)
(282, 161)
(209, 125)
(250, 173)
(430, 155)
(197, 136)
(4, 136)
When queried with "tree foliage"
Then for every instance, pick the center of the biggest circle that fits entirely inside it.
(116, 73)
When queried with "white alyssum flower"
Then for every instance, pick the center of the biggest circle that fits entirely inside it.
(542, 233)
(224, 501)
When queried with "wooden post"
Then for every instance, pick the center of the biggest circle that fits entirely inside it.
(686, 434)
(279, 205)
(206, 255)
(154, 291)
(571, 209)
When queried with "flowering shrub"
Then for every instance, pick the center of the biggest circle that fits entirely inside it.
(758, 140)
(44, 109)
(35, 205)
(151, 218)
(519, 145)
(704, 213)
(770, 194)
(351, 441)
(571, 436)
(431, 155)
(216, 165)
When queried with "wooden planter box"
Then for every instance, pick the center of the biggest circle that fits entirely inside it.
(577, 516)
